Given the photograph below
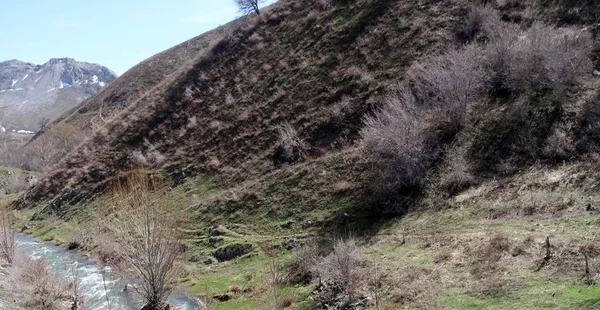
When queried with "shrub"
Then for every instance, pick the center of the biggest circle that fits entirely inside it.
(32, 279)
(527, 70)
(337, 269)
(290, 147)
(546, 57)
(456, 171)
(338, 274)
(143, 224)
(394, 138)
(7, 238)
(305, 262)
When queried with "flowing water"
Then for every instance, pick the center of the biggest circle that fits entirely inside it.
(95, 283)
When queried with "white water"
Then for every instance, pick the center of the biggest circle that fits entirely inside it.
(63, 262)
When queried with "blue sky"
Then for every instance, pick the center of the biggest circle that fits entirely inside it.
(114, 33)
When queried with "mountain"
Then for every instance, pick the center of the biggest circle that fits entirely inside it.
(31, 92)
(138, 80)
(259, 132)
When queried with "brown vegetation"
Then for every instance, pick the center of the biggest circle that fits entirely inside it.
(143, 223)
(7, 237)
(406, 138)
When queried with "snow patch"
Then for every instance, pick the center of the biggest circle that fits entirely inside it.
(19, 89)
(63, 85)
(36, 80)
(24, 102)
(94, 79)
(1, 91)
(26, 75)
(13, 83)
(27, 132)
(102, 84)
(39, 71)
(51, 90)
(2, 129)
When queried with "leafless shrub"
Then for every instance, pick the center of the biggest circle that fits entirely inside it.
(31, 279)
(395, 137)
(143, 224)
(7, 238)
(456, 171)
(480, 18)
(341, 110)
(188, 94)
(338, 270)
(558, 146)
(452, 85)
(438, 103)
(290, 147)
(305, 262)
(589, 251)
(544, 56)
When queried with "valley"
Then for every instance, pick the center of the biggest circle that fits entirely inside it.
(369, 154)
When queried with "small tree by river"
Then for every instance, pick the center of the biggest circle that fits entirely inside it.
(7, 238)
(143, 222)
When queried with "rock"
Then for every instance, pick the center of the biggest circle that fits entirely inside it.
(25, 228)
(214, 242)
(596, 72)
(307, 224)
(72, 245)
(208, 261)
(232, 251)
(196, 257)
(223, 297)
(161, 306)
(288, 225)
(214, 231)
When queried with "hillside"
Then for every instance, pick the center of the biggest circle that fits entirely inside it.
(137, 81)
(262, 135)
(258, 91)
(31, 92)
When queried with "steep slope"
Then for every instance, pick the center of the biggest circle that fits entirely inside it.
(289, 66)
(138, 80)
(30, 92)
(317, 68)
(260, 137)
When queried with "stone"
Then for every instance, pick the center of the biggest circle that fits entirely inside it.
(223, 297)
(232, 251)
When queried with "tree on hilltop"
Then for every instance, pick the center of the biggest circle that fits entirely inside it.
(248, 6)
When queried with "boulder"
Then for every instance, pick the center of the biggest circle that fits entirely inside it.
(232, 251)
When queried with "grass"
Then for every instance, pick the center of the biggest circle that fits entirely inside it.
(553, 293)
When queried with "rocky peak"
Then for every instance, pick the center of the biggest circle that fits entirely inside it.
(30, 92)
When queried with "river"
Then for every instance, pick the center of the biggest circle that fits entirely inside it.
(94, 286)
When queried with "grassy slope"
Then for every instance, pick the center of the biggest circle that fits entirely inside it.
(440, 263)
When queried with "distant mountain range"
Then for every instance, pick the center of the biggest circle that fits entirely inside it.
(29, 93)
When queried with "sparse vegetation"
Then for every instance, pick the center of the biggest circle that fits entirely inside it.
(143, 223)
(7, 237)
(407, 136)
(486, 148)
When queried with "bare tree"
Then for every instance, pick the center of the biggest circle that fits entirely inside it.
(43, 124)
(32, 280)
(143, 224)
(248, 6)
(7, 238)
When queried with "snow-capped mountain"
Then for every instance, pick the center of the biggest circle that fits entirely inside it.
(31, 92)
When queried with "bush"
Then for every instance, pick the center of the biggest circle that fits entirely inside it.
(525, 69)
(305, 262)
(338, 273)
(290, 147)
